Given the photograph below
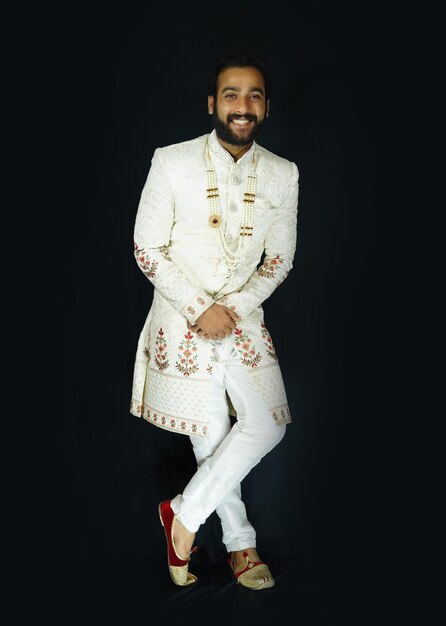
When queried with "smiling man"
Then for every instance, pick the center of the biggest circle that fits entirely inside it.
(239, 107)
(210, 208)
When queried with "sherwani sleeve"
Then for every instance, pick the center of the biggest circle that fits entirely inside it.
(153, 225)
(280, 247)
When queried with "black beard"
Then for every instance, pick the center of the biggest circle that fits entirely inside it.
(225, 133)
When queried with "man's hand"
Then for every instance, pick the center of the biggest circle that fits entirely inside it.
(218, 321)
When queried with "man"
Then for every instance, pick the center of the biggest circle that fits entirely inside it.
(209, 209)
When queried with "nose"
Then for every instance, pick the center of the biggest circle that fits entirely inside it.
(243, 105)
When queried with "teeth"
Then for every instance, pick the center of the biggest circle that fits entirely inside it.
(241, 122)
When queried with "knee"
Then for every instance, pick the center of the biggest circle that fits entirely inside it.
(268, 438)
(277, 434)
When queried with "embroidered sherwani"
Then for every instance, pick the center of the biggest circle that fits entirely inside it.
(175, 248)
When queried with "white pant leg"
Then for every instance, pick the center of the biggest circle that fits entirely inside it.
(249, 440)
(237, 532)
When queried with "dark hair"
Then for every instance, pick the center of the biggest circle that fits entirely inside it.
(243, 58)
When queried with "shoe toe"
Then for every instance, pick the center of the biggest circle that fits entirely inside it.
(258, 577)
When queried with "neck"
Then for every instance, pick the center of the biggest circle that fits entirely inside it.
(235, 151)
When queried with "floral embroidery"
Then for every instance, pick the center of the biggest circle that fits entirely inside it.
(147, 266)
(268, 269)
(147, 350)
(209, 368)
(187, 365)
(191, 310)
(224, 301)
(283, 415)
(251, 357)
(165, 254)
(161, 359)
(201, 300)
(268, 342)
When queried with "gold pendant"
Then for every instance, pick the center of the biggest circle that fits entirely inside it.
(214, 221)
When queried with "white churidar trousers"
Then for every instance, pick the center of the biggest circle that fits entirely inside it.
(227, 454)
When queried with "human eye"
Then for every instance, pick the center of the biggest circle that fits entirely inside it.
(256, 96)
(229, 95)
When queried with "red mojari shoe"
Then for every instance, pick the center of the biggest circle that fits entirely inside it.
(178, 567)
(255, 575)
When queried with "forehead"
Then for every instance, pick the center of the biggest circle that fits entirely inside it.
(243, 77)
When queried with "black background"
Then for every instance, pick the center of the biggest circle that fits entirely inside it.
(129, 79)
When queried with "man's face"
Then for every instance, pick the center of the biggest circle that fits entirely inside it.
(240, 108)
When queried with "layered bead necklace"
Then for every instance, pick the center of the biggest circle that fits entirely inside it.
(230, 259)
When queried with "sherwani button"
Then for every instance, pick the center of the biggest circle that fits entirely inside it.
(236, 180)
(233, 207)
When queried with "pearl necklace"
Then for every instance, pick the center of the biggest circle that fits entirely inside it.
(230, 258)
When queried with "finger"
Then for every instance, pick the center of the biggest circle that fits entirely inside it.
(234, 315)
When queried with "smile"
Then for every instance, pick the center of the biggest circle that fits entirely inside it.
(241, 122)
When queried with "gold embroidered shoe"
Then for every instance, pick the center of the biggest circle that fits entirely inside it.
(255, 575)
(178, 567)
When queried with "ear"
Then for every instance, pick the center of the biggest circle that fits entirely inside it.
(210, 105)
(267, 108)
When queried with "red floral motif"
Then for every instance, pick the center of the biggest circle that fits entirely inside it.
(250, 356)
(270, 266)
(271, 351)
(161, 359)
(201, 300)
(187, 359)
(283, 415)
(224, 301)
(194, 428)
(191, 310)
(147, 350)
(147, 265)
(183, 425)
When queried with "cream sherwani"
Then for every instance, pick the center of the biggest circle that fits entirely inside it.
(175, 249)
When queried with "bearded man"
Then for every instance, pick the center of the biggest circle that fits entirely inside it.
(210, 209)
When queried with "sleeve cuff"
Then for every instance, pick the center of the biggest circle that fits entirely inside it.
(231, 302)
(196, 306)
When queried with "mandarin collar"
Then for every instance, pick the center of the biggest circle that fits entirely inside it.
(221, 152)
